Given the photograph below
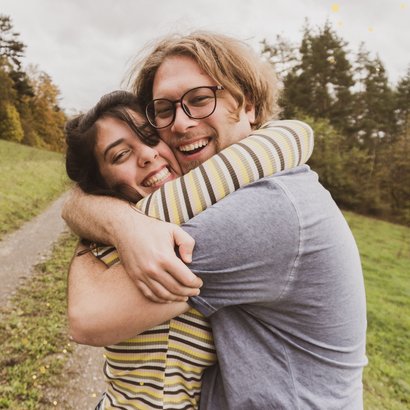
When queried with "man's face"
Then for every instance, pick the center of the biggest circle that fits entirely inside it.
(194, 141)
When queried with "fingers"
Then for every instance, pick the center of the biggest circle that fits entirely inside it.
(183, 276)
(164, 285)
(146, 291)
(158, 272)
(163, 280)
(158, 293)
(185, 244)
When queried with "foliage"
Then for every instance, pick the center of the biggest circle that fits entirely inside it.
(7, 91)
(34, 342)
(29, 106)
(10, 46)
(10, 124)
(399, 177)
(374, 121)
(48, 119)
(354, 110)
(319, 81)
(361, 123)
(29, 179)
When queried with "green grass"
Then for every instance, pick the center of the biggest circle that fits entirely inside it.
(33, 336)
(34, 341)
(29, 179)
(385, 252)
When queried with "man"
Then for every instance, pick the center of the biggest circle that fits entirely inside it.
(282, 281)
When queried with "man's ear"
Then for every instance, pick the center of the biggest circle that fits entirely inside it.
(250, 112)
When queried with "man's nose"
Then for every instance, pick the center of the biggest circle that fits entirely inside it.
(182, 121)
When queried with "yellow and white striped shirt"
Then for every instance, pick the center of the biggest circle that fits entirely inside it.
(162, 367)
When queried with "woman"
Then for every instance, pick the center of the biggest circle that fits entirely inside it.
(161, 367)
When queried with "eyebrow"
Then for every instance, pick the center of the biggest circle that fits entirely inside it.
(112, 145)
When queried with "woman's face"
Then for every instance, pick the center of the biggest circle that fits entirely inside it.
(123, 159)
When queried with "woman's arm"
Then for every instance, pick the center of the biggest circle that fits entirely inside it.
(276, 146)
(289, 143)
(114, 221)
(104, 307)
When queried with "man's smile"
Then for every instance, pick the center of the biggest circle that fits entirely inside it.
(193, 147)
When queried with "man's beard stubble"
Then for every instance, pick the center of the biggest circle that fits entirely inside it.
(186, 167)
(190, 166)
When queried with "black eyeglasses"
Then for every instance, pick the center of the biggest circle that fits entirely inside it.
(197, 103)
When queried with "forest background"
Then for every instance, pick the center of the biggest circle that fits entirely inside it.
(361, 120)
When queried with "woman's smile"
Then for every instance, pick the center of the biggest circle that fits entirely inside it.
(157, 178)
(128, 162)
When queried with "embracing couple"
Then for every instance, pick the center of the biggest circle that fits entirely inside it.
(264, 306)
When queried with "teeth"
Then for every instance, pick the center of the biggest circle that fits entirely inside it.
(155, 179)
(194, 145)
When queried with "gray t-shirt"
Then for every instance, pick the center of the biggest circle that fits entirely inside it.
(284, 291)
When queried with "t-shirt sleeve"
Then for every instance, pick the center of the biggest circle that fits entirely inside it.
(246, 247)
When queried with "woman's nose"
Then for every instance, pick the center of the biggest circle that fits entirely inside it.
(147, 155)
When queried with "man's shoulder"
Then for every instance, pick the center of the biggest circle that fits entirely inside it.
(302, 172)
(276, 191)
(253, 208)
(250, 199)
(279, 201)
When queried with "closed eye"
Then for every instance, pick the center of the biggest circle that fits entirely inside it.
(200, 100)
(164, 112)
(121, 156)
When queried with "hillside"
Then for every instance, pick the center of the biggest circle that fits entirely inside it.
(29, 179)
(385, 251)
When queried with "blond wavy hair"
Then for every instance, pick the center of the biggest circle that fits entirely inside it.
(229, 61)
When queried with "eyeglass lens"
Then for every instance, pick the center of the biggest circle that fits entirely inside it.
(197, 103)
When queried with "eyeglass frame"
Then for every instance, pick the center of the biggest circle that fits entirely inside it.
(214, 88)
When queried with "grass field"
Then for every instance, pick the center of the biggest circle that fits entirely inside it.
(29, 179)
(34, 343)
(385, 252)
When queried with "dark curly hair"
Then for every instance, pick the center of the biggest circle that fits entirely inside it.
(81, 134)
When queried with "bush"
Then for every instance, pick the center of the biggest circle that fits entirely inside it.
(10, 124)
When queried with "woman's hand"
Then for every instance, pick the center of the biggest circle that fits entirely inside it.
(105, 308)
(147, 249)
(146, 246)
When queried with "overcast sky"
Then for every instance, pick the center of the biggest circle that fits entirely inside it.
(86, 46)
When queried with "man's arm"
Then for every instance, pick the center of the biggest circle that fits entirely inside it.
(113, 221)
(278, 145)
(82, 211)
(105, 308)
(245, 248)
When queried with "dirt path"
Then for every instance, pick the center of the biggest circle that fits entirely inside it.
(19, 253)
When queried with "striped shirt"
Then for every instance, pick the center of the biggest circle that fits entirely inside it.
(162, 367)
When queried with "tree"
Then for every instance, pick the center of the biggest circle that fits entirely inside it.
(399, 178)
(281, 54)
(10, 125)
(7, 91)
(402, 104)
(21, 84)
(10, 47)
(47, 118)
(320, 83)
(342, 170)
(374, 119)
(361, 124)
(399, 154)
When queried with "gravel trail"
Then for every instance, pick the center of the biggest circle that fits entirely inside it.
(20, 251)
